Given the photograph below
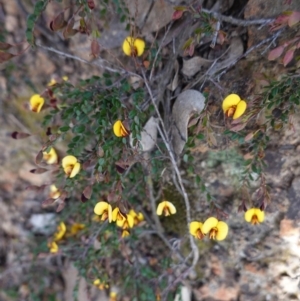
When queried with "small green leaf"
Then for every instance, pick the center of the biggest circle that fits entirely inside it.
(64, 129)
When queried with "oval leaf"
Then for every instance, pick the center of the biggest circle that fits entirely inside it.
(275, 53)
(4, 46)
(294, 18)
(288, 56)
(87, 192)
(5, 56)
(19, 135)
(48, 202)
(38, 170)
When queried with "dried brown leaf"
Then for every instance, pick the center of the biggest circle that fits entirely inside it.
(5, 56)
(38, 170)
(5, 46)
(48, 202)
(19, 135)
(87, 192)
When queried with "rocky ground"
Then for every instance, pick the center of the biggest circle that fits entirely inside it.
(253, 264)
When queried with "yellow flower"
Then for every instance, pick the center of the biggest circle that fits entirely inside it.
(233, 106)
(112, 296)
(100, 285)
(216, 229)
(125, 233)
(133, 47)
(117, 215)
(54, 82)
(75, 228)
(254, 216)
(104, 209)
(61, 231)
(53, 247)
(119, 129)
(126, 223)
(54, 192)
(165, 207)
(51, 156)
(71, 166)
(196, 229)
(137, 217)
(65, 78)
(36, 103)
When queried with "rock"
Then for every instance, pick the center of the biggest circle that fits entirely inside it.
(43, 223)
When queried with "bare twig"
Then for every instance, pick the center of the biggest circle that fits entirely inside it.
(235, 21)
(97, 64)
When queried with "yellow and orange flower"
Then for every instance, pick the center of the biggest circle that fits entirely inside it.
(53, 247)
(254, 216)
(100, 285)
(36, 103)
(119, 129)
(137, 217)
(51, 156)
(71, 166)
(215, 229)
(233, 106)
(126, 223)
(196, 229)
(104, 210)
(117, 215)
(166, 208)
(75, 228)
(54, 192)
(133, 46)
(61, 231)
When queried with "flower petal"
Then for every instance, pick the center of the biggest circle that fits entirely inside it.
(222, 230)
(109, 213)
(50, 157)
(194, 227)
(36, 103)
(75, 170)
(240, 109)
(229, 101)
(132, 213)
(61, 230)
(100, 208)
(260, 215)
(130, 221)
(128, 45)
(125, 233)
(171, 207)
(53, 247)
(117, 128)
(249, 214)
(160, 207)
(140, 46)
(210, 223)
(68, 160)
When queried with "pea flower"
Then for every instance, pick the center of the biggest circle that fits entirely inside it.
(51, 156)
(104, 210)
(71, 166)
(54, 82)
(125, 233)
(119, 129)
(100, 285)
(53, 247)
(117, 215)
(126, 223)
(113, 296)
(36, 103)
(233, 106)
(165, 207)
(137, 217)
(75, 228)
(216, 229)
(61, 231)
(133, 47)
(54, 192)
(254, 216)
(196, 230)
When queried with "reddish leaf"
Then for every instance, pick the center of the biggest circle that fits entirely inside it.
(91, 4)
(288, 56)
(87, 192)
(191, 49)
(275, 53)
(95, 48)
(48, 202)
(294, 18)
(19, 135)
(222, 36)
(39, 157)
(5, 46)
(249, 136)
(38, 170)
(177, 14)
(69, 31)
(238, 127)
(5, 56)
(60, 206)
(58, 22)
(111, 196)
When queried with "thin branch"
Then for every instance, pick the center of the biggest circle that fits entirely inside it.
(235, 21)
(97, 64)
(163, 133)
